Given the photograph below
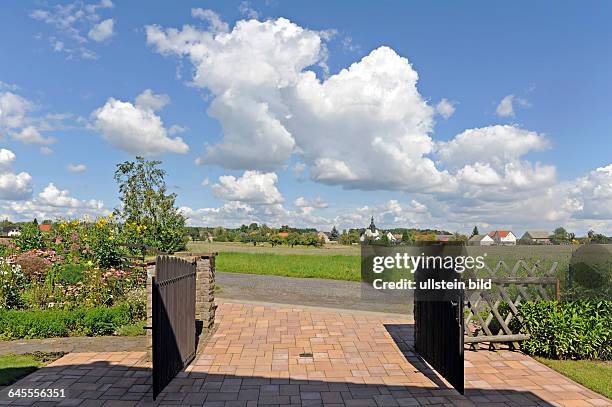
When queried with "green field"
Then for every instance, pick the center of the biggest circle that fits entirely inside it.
(342, 262)
(595, 375)
(332, 267)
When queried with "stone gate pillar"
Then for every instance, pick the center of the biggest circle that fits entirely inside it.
(205, 291)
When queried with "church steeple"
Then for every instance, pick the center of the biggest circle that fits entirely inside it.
(372, 226)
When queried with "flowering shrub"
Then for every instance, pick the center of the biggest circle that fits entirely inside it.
(11, 284)
(34, 263)
(30, 238)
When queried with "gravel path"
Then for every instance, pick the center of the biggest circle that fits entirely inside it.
(302, 291)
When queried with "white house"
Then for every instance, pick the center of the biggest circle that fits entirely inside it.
(11, 231)
(480, 240)
(503, 237)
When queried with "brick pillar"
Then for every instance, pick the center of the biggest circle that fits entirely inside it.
(150, 275)
(205, 291)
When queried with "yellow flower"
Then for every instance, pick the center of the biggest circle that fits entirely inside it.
(110, 215)
(110, 238)
(89, 263)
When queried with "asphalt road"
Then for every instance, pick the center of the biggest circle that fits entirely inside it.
(304, 291)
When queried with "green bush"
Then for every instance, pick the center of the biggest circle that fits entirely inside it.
(71, 273)
(568, 330)
(58, 323)
(30, 238)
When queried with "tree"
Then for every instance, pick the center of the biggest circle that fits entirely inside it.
(560, 235)
(475, 231)
(407, 237)
(333, 235)
(275, 240)
(145, 201)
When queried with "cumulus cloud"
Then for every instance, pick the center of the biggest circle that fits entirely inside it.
(13, 110)
(136, 128)
(365, 127)
(252, 187)
(13, 186)
(213, 19)
(495, 145)
(316, 202)
(506, 106)
(30, 135)
(74, 24)
(76, 168)
(102, 31)
(52, 203)
(445, 108)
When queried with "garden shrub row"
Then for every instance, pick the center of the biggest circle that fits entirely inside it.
(568, 330)
(26, 324)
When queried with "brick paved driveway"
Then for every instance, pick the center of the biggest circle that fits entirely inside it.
(282, 355)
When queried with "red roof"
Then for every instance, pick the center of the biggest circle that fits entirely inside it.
(501, 233)
(44, 228)
(283, 234)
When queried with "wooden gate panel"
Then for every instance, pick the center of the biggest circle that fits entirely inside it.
(174, 328)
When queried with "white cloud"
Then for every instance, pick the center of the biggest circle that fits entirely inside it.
(252, 187)
(445, 108)
(137, 129)
(52, 203)
(316, 202)
(13, 110)
(73, 24)
(366, 127)
(496, 145)
(30, 135)
(102, 31)
(76, 168)
(247, 11)
(13, 186)
(216, 24)
(506, 106)
(349, 46)
(46, 150)
(149, 100)
(593, 195)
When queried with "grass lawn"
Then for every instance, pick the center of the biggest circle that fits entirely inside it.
(595, 375)
(14, 367)
(291, 265)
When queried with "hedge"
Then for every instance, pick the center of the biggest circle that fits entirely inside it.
(17, 324)
(568, 330)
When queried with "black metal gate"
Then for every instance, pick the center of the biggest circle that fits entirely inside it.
(438, 316)
(174, 328)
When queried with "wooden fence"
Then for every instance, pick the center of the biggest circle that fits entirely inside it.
(486, 322)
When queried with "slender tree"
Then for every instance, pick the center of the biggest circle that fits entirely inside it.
(145, 201)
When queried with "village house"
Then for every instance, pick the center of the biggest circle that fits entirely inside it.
(535, 237)
(324, 236)
(11, 231)
(480, 240)
(503, 237)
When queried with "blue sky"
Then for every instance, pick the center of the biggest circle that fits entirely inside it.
(527, 85)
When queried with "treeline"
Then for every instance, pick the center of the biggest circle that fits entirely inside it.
(255, 233)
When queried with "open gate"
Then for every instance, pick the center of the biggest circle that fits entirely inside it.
(174, 328)
(438, 316)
